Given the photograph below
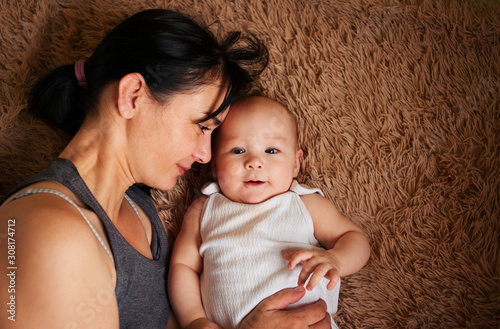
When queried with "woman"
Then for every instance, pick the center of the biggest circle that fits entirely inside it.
(89, 249)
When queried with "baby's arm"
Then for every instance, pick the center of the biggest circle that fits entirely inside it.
(347, 246)
(185, 268)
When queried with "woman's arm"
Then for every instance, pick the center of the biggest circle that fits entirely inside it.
(59, 275)
(184, 274)
(348, 248)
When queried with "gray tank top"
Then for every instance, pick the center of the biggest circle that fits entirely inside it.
(141, 289)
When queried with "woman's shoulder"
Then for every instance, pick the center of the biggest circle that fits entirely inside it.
(56, 258)
(42, 201)
(47, 219)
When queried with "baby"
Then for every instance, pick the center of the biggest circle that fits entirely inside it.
(257, 230)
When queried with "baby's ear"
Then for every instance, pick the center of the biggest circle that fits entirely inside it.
(298, 160)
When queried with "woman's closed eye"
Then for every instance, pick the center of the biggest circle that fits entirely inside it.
(203, 128)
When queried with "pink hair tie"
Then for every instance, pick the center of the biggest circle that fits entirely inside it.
(80, 70)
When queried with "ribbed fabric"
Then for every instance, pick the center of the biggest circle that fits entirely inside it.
(242, 247)
(141, 289)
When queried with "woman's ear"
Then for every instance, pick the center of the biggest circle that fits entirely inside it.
(130, 88)
(298, 160)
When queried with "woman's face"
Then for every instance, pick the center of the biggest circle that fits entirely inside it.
(174, 135)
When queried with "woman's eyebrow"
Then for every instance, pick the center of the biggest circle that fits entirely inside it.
(215, 121)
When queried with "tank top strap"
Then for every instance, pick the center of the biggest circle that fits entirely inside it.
(301, 189)
(210, 188)
(65, 197)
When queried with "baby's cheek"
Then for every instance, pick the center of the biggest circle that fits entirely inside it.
(229, 174)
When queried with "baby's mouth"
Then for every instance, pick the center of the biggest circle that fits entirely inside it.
(254, 182)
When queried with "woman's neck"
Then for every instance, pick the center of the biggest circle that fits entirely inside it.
(99, 156)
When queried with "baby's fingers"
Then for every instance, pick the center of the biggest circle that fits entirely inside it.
(334, 278)
(321, 271)
(297, 257)
(318, 272)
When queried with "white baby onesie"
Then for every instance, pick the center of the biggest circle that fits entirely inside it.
(242, 247)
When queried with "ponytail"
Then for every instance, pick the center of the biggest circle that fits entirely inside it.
(58, 99)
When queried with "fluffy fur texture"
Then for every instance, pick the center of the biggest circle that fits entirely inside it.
(398, 111)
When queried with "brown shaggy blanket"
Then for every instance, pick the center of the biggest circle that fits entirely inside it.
(398, 110)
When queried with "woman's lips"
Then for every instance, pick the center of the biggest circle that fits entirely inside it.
(182, 170)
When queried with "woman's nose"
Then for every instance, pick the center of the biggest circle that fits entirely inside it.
(203, 153)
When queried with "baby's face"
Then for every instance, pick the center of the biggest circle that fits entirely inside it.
(256, 156)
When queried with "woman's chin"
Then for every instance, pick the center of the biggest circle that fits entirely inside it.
(165, 184)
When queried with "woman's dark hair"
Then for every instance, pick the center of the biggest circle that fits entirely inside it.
(171, 52)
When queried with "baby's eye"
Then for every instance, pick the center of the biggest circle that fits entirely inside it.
(272, 151)
(238, 150)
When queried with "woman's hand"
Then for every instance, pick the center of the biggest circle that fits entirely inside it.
(271, 313)
(317, 264)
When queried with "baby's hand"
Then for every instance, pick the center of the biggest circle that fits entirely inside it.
(320, 264)
(203, 323)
